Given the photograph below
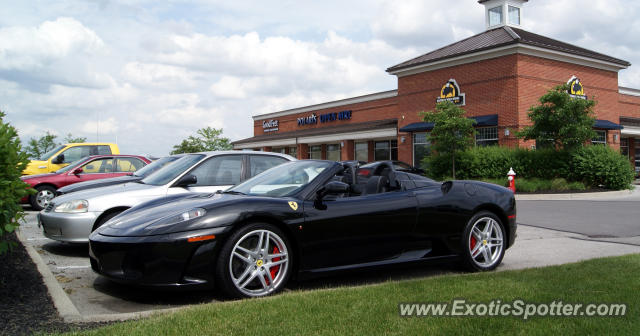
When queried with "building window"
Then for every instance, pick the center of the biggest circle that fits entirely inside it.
(514, 15)
(624, 147)
(486, 136)
(278, 150)
(362, 151)
(421, 147)
(293, 151)
(385, 150)
(495, 16)
(333, 152)
(315, 152)
(600, 139)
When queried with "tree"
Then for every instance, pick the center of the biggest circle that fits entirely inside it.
(207, 139)
(45, 143)
(71, 139)
(452, 131)
(561, 121)
(12, 162)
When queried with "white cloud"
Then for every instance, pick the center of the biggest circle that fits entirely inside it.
(31, 48)
(107, 126)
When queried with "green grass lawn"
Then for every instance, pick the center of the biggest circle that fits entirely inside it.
(373, 309)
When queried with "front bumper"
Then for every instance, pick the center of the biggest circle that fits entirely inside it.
(67, 227)
(162, 260)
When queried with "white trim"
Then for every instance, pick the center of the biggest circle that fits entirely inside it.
(630, 130)
(629, 91)
(369, 135)
(518, 48)
(342, 102)
(323, 139)
(260, 144)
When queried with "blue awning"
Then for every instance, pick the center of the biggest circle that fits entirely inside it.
(480, 121)
(417, 127)
(488, 120)
(606, 124)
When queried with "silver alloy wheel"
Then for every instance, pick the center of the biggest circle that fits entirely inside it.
(43, 197)
(258, 263)
(485, 242)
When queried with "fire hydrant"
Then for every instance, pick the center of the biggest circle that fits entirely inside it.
(511, 176)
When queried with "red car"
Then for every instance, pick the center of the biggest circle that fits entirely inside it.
(88, 168)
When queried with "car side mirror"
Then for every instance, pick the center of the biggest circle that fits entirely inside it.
(78, 171)
(331, 188)
(58, 159)
(187, 180)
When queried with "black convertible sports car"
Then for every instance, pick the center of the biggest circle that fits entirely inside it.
(301, 219)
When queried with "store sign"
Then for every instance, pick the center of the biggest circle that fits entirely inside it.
(576, 90)
(270, 126)
(324, 118)
(451, 92)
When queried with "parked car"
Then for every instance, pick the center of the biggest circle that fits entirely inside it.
(136, 176)
(89, 168)
(63, 155)
(71, 217)
(303, 219)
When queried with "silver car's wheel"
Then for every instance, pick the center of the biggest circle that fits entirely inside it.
(44, 195)
(485, 242)
(259, 263)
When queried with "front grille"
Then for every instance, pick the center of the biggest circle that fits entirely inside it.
(49, 207)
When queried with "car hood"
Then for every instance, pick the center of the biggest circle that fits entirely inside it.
(127, 194)
(100, 182)
(150, 218)
(37, 176)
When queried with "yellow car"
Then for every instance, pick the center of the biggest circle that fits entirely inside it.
(63, 155)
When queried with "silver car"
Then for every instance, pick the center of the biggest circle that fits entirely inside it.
(72, 217)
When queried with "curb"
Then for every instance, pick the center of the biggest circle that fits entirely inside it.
(66, 309)
(572, 196)
(61, 301)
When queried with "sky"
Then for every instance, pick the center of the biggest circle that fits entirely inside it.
(147, 74)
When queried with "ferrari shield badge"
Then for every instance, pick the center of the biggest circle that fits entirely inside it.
(293, 205)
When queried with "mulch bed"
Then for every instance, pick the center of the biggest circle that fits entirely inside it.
(25, 304)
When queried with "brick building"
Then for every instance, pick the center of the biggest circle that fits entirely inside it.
(495, 76)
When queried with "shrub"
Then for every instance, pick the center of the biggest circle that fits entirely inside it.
(494, 162)
(12, 161)
(595, 166)
(601, 166)
(559, 184)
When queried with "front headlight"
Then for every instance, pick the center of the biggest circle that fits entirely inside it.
(75, 206)
(175, 219)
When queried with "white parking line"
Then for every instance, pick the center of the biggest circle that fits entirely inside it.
(73, 267)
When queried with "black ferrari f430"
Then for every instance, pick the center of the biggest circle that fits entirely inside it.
(301, 219)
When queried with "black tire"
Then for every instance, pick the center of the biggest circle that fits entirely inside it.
(228, 264)
(104, 219)
(42, 197)
(493, 241)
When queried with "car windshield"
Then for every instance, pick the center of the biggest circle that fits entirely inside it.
(50, 153)
(285, 179)
(154, 166)
(167, 173)
(71, 166)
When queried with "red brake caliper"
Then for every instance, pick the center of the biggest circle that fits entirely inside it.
(274, 270)
(472, 244)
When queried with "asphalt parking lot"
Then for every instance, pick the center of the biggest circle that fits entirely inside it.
(550, 232)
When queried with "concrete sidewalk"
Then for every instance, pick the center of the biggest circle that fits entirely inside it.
(631, 195)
